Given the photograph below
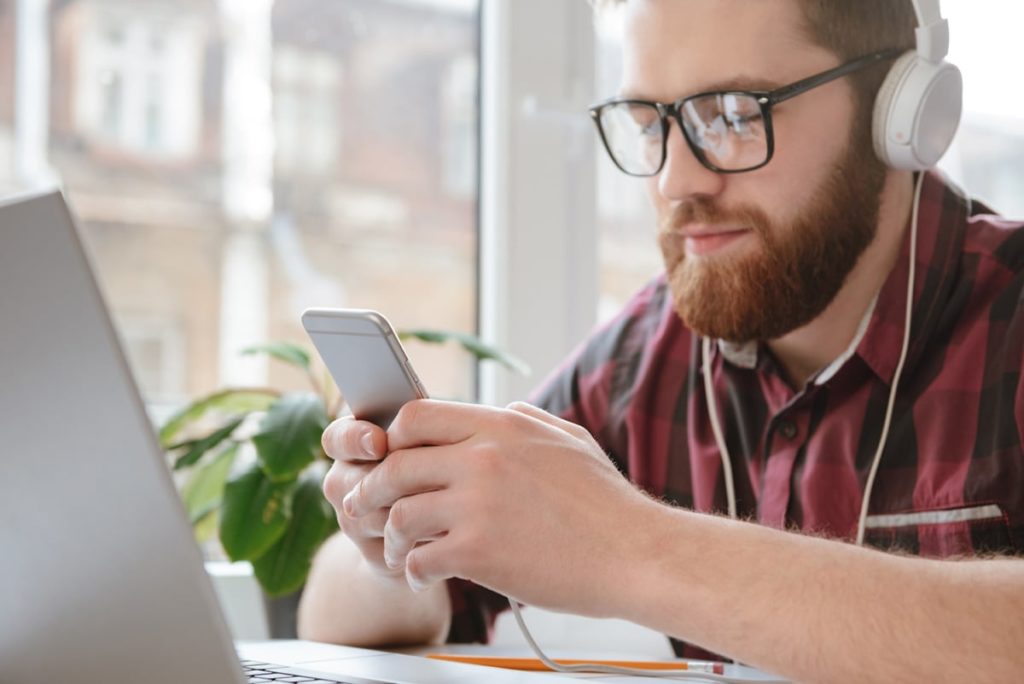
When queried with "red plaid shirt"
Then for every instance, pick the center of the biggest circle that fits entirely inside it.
(951, 480)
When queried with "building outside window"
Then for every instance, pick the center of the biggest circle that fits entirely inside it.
(208, 149)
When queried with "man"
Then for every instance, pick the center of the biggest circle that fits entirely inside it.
(795, 265)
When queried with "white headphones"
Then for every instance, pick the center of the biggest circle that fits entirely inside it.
(918, 107)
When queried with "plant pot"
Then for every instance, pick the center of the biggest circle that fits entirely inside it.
(282, 615)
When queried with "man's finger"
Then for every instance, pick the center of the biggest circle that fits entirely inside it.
(430, 563)
(402, 473)
(367, 527)
(413, 520)
(426, 422)
(341, 478)
(347, 439)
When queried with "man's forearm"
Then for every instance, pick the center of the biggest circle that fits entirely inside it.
(345, 602)
(823, 611)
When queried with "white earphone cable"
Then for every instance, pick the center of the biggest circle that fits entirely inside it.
(894, 386)
(691, 675)
(716, 428)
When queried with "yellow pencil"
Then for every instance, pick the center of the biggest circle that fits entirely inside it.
(533, 664)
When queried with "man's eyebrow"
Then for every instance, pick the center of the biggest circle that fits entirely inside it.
(744, 83)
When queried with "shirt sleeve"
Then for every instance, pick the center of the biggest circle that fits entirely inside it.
(596, 386)
(590, 389)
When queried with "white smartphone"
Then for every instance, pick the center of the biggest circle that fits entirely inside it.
(366, 359)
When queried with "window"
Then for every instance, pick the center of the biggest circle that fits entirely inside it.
(459, 152)
(987, 157)
(135, 77)
(110, 86)
(209, 149)
(306, 121)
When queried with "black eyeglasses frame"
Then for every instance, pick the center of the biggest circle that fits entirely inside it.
(766, 101)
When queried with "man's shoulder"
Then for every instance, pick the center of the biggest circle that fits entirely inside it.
(996, 238)
(619, 353)
(646, 320)
(642, 350)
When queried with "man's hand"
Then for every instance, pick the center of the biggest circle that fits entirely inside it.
(351, 597)
(357, 447)
(516, 500)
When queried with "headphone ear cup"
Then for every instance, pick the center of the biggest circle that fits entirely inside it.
(883, 103)
(917, 112)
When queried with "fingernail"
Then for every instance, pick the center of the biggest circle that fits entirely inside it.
(347, 505)
(366, 441)
(415, 584)
(390, 562)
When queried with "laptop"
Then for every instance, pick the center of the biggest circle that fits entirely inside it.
(101, 580)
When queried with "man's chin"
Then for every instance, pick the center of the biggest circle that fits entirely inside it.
(723, 303)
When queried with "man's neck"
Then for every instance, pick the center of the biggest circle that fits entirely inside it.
(807, 350)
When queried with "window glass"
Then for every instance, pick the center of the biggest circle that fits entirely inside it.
(233, 162)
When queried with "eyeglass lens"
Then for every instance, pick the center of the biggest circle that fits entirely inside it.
(727, 131)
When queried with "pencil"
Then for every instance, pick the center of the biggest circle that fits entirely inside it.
(533, 664)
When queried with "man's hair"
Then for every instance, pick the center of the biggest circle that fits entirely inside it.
(851, 29)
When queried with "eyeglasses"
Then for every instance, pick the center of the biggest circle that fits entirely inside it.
(728, 131)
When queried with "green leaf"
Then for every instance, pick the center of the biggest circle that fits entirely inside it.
(205, 488)
(284, 568)
(197, 447)
(289, 436)
(291, 354)
(472, 344)
(205, 527)
(254, 514)
(230, 401)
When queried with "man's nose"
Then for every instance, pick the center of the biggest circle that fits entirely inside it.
(683, 175)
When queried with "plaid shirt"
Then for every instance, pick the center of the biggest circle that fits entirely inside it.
(951, 480)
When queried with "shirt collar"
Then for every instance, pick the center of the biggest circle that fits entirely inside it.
(942, 218)
(744, 355)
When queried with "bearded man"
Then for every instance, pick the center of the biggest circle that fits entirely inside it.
(871, 477)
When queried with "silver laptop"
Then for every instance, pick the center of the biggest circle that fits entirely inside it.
(100, 579)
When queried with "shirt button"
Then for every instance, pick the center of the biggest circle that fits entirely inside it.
(787, 429)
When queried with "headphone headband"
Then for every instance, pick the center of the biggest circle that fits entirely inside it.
(932, 31)
(928, 12)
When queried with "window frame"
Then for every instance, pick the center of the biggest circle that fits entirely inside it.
(538, 239)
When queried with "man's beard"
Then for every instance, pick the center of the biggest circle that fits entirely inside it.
(791, 277)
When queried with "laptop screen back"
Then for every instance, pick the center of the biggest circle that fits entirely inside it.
(100, 578)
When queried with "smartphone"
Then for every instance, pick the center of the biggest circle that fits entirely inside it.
(366, 359)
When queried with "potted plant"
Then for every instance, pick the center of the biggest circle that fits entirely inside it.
(249, 465)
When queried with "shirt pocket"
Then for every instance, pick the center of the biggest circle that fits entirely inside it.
(969, 530)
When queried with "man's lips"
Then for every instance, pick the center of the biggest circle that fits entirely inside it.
(705, 231)
(703, 239)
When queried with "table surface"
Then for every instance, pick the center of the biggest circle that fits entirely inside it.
(308, 654)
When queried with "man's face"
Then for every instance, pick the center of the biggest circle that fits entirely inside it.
(753, 256)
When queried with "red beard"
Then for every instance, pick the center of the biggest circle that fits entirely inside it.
(790, 277)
